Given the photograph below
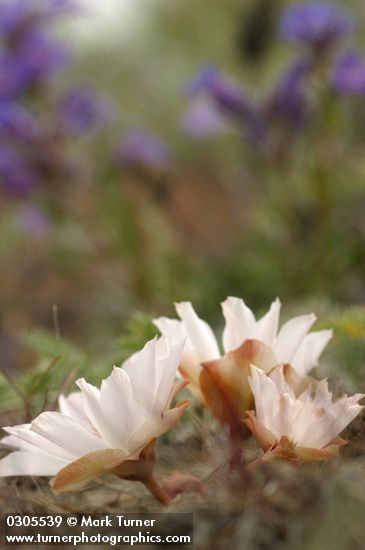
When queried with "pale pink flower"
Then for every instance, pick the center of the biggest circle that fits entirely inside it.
(292, 344)
(110, 430)
(298, 429)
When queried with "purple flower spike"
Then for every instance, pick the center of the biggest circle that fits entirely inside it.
(18, 15)
(13, 77)
(40, 55)
(289, 98)
(60, 7)
(14, 14)
(226, 94)
(16, 122)
(140, 147)
(202, 119)
(349, 74)
(83, 111)
(15, 176)
(203, 81)
(315, 23)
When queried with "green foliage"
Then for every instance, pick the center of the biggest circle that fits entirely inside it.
(136, 333)
(347, 352)
(59, 362)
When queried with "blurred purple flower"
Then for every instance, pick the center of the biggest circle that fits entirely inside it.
(349, 74)
(226, 94)
(32, 221)
(83, 111)
(288, 100)
(315, 23)
(17, 122)
(15, 176)
(13, 77)
(37, 57)
(60, 7)
(202, 119)
(141, 147)
(203, 80)
(17, 15)
(40, 55)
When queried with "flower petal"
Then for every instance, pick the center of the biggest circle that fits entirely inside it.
(240, 323)
(24, 463)
(262, 435)
(91, 397)
(224, 383)
(267, 326)
(291, 335)
(200, 335)
(22, 437)
(172, 328)
(307, 355)
(88, 467)
(122, 406)
(73, 405)
(66, 433)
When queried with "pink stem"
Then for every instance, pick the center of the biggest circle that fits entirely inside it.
(157, 491)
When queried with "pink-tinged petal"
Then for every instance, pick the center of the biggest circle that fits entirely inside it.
(344, 411)
(90, 466)
(327, 453)
(170, 417)
(152, 372)
(307, 355)
(190, 369)
(297, 384)
(200, 336)
(285, 449)
(23, 463)
(199, 344)
(177, 387)
(224, 383)
(73, 405)
(317, 393)
(66, 433)
(266, 395)
(286, 416)
(154, 427)
(172, 328)
(291, 335)
(91, 397)
(169, 357)
(262, 435)
(141, 371)
(267, 326)
(140, 468)
(281, 377)
(122, 406)
(22, 437)
(100, 463)
(240, 323)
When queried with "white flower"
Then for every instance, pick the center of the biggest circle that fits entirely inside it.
(293, 343)
(299, 429)
(110, 430)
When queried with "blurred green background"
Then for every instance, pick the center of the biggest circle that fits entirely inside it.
(221, 218)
